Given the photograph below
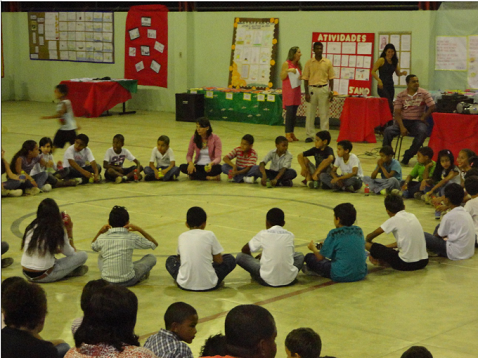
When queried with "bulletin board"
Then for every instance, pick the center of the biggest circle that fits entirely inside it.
(473, 61)
(403, 46)
(146, 45)
(352, 57)
(71, 36)
(253, 53)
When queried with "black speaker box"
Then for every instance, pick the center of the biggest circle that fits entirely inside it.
(189, 107)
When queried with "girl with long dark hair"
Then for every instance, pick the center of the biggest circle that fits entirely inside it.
(207, 148)
(50, 234)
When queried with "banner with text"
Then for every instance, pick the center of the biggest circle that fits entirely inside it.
(352, 57)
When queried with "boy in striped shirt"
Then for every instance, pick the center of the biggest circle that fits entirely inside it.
(246, 159)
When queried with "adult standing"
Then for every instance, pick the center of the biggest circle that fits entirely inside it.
(410, 116)
(290, 75)
(386, 65)
(318, 74)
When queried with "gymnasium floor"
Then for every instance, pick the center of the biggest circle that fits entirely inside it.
(380, 316)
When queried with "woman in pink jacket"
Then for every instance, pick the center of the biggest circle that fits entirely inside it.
(208, 153)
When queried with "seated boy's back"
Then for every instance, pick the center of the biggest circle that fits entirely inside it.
(277, 259)
(196, 248)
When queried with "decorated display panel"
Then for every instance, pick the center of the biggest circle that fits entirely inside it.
(71, 36)
(352, 57)
(146, 45)
(403, 46)
(254, 51)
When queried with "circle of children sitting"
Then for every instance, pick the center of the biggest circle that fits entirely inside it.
(200, 264)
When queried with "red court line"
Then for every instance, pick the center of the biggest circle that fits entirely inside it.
(270, 300)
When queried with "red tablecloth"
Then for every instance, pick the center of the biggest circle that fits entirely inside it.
(360, 116)
(91, 99)
(454, 132)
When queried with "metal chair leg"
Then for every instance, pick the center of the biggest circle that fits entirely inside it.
(399, 139)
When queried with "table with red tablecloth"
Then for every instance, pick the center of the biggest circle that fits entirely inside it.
(335, 108)
(92, 98)
(454, 132)
(360, 117)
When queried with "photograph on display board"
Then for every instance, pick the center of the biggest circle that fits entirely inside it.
(71, 36)
(253, 54)
(351, 56)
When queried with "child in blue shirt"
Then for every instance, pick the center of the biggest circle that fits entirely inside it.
(342, 255)
(389, 169)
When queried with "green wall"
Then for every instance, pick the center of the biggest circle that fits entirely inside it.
(200, 49)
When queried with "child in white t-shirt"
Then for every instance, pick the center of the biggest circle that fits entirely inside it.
(349, 164)
(79, 161)
(471, 186)
(162, 164)
(455, 237)
(199, 264)
(410, 239)
(278, 264)
(114, 160)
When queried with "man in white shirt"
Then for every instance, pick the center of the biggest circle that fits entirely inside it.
(410, 239)
(278, 264)
(455, 238)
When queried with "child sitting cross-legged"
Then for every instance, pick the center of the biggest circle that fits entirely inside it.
(280, 172)
(410, 239)
(115, 242)
(324, 158)
(423, 170)
(390, 170)
(342, 255)
(79, 162)
(351, 178)
(455, 237)
(199, 264)
(278, 264)
(114, 159)
(245, 167)
(162, 164)
(180, 320)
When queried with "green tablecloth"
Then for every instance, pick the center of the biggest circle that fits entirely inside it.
(130, 85)
(239, 110)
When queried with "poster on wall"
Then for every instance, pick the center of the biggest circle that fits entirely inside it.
(352, 57)
(146, 45)
(253, 53)
(71, 36)
(450, 53)
(402, 41)
(473, 61)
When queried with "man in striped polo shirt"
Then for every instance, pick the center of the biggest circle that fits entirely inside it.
(411, 113)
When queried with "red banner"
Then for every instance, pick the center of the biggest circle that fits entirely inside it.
(351, 55)
(146, 45)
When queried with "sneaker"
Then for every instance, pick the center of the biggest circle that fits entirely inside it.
(46, 188)
(78, 181)
(287, 182)
(310, 184)
(309, 140)
(250, 180)
(418, 195)
(8, 261)
(437, 215)
(396, 192)
(79, 271)
(32, 191)
(350, 189)
(384, 191)
(119, 180)
(17, 192)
